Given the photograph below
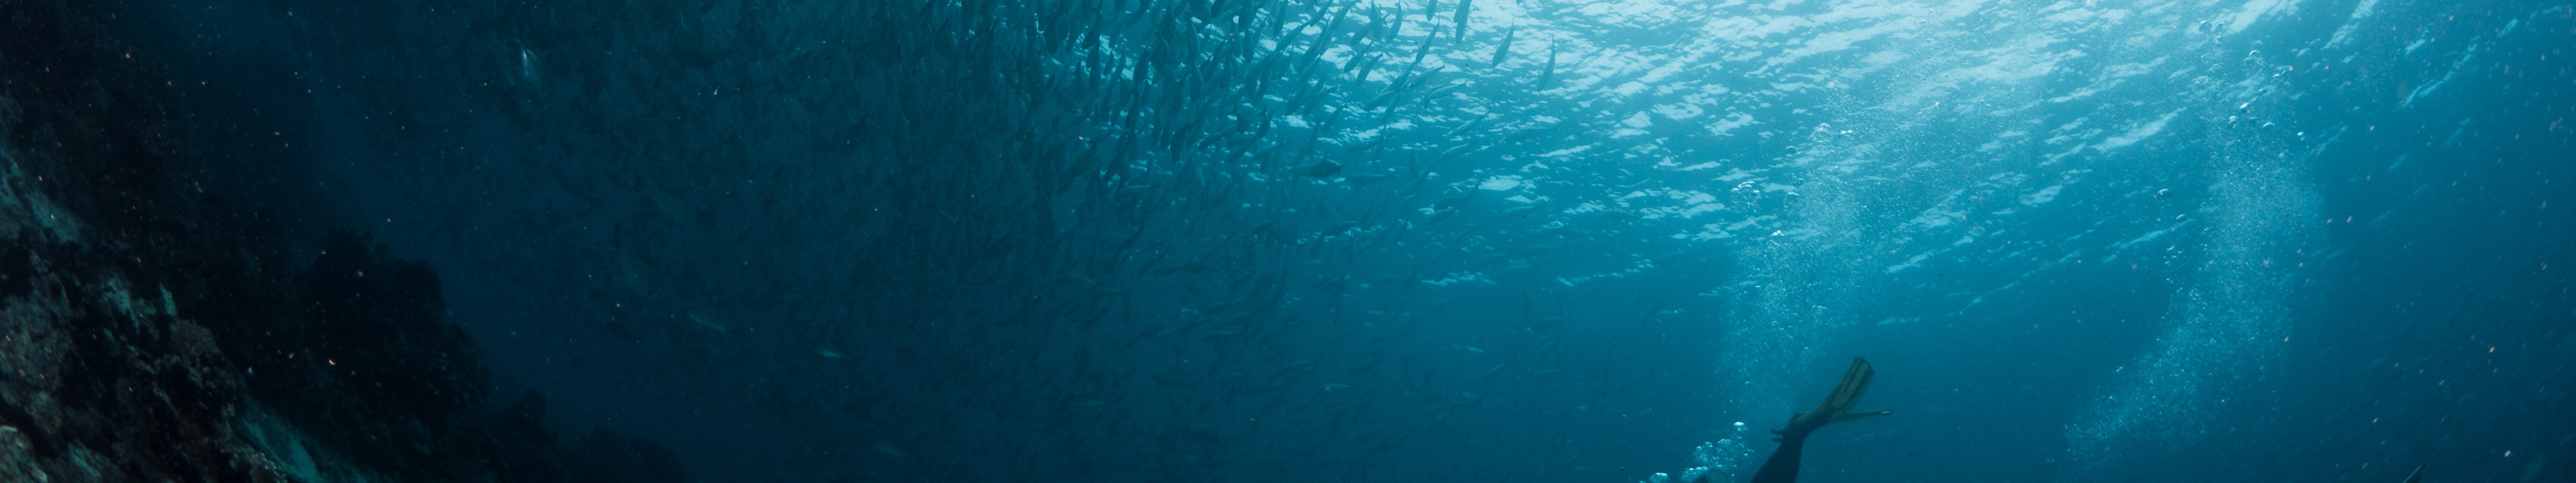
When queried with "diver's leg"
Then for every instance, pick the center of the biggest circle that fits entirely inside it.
(1783, 465)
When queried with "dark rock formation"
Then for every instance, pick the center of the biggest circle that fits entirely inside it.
(149, 333)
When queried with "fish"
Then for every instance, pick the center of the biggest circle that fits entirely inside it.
(1464, 6)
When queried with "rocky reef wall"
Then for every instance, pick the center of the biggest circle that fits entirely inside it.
(152, 331)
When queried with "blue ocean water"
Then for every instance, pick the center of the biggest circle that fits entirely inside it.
(1455, 240)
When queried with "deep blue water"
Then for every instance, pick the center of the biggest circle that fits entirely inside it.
(1391, 240)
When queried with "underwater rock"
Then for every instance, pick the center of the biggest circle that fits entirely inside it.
(149, 332)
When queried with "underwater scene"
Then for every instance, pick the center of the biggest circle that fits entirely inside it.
(1617, 241)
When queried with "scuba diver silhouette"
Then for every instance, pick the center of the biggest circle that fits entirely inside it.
(1783, 465)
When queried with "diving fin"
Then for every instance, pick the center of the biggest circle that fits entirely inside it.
(1852, 416)
(1837, 406)
(2417, 476)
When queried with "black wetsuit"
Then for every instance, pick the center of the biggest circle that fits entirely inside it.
(1783, 465)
